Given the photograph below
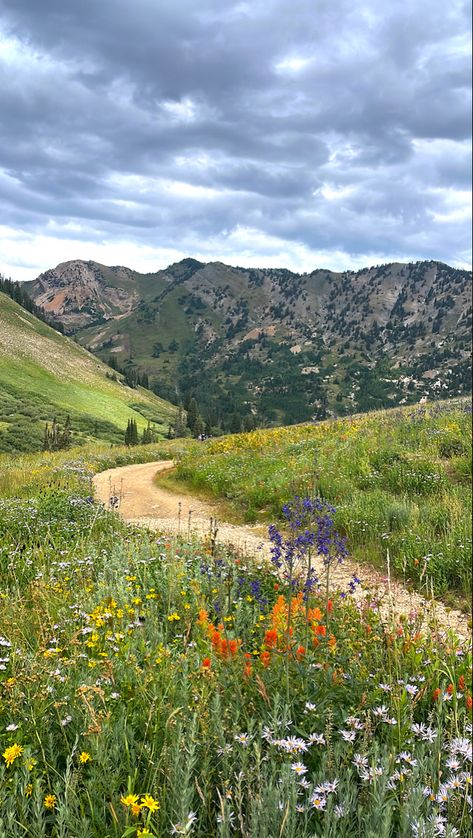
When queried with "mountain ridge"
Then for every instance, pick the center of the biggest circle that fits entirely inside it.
(308, 341)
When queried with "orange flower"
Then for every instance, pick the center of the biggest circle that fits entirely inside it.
(469, 702)
(265, 658)
(332, 641)
(315, 642)
(276, 586)
(329, 606)
(300, 652)
(461, 683)
(314, 615)
(233, 646)
(223, 648)
(247, 670)
(216, 640)
(436, 693)
(450, 689)
(206, 663)
(321, 631)
(270, 638)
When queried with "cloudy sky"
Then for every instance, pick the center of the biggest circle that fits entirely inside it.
(316, 133)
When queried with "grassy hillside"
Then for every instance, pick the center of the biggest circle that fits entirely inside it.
(44, 374)
(400, 480)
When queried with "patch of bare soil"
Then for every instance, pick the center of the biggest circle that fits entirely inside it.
(141, 500)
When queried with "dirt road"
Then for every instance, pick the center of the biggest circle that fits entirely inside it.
(141, 500)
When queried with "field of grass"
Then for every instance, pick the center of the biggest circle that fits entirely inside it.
(44, 374)
(153, 686)
(400, 481)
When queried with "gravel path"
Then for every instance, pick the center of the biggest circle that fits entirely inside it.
(143, 501)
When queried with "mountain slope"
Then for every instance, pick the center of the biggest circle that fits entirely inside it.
(44, 374)
(269, 344)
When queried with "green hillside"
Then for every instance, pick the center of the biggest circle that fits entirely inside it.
(45, 375)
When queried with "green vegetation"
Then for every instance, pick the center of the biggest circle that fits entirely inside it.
(270, 347)
(46, 376)
(401, 482)
(153, 686)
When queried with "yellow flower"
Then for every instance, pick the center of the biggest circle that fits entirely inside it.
(84, 757)
(31, 764)
(142, 832)
(150, 803)
(12, 753)
(172, 617)
(129, 800)
(29, 790)
(135, 809)
(50, 801)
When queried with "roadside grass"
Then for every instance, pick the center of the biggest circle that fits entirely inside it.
(154, 686)
(400, 480)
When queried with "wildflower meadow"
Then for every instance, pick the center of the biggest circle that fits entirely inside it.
(154, 685)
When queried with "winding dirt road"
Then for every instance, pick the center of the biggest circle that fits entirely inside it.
(141, 500)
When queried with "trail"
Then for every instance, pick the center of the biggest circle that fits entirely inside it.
(143, 501)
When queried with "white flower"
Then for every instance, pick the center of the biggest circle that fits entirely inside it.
(299, 768)
(316, 739)
(11, 727)
(452, 763)
(318, 802)
(242, 738)
(412, 689)
(348, 735)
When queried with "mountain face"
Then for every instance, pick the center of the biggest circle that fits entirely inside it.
(269, 345)
(45, 376)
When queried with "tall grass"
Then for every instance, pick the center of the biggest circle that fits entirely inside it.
(400, 480)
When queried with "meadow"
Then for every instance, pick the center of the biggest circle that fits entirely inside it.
(154, 686)
(400, 481)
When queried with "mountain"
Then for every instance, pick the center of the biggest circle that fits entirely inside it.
(269, 345)
(44, 375)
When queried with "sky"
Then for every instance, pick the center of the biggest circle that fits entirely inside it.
(311, 134)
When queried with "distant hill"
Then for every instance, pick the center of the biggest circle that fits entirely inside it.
(44, 375)
(272, 346)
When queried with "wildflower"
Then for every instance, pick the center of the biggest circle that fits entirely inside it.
(150, 803)
(173, 617)
(242, 738)
(436, 693)
(348, 735)
(29, 790)
(142, 831)
(270, 638)
(50, 801)
(206, 663)
(316, 739)
(317, 802)
(300, 652)
(84, 757)
(12, 753)
(299, 768)
(265, 659)
(412, 689)
(11, 728)
(129, 800)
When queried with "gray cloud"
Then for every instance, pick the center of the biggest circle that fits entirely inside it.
(335, 127)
